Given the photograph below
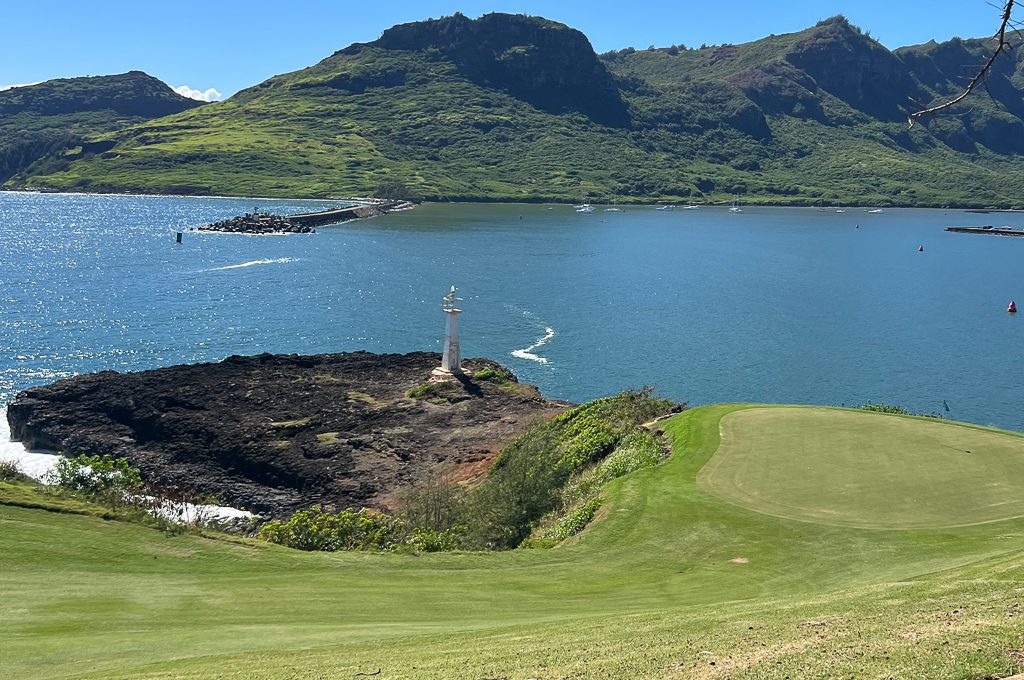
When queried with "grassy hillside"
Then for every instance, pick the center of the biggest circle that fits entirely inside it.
(520, 108)
(43, 126)
(671, 581)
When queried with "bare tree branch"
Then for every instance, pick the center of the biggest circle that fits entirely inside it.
(980, 77)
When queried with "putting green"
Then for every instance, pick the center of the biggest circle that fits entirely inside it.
(862, 469)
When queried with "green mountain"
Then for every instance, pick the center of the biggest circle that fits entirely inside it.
(510, 107)
(44, 126)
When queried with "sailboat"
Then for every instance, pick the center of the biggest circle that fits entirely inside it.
(875, 211)
(585, 206)
(691, 206)
(665, 207)
(613, 207)
(735, 206)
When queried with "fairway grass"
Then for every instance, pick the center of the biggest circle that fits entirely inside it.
(865, 469)
(656, 587)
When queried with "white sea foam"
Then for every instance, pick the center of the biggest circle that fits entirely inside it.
(253, 263)
(527, 352)
(33, 463)
(37, 465)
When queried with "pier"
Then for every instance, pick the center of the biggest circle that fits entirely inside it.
(995, 231)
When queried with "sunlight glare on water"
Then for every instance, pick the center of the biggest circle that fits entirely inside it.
(771, 305)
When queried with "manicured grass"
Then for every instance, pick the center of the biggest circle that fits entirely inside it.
(652, 589)
(851, 467)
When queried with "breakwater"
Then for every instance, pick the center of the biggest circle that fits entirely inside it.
(995, 231)
(303, 223)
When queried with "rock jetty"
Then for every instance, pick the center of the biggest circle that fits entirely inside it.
(258, 223)
(305, 223)
(273, 433)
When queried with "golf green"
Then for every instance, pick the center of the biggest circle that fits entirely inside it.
(853, 468)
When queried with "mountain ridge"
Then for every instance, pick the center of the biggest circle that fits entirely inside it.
(45, 120)
(511, 107)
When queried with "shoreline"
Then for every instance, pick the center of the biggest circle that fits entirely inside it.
(746, 202)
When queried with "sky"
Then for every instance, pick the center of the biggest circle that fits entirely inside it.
(210, 49)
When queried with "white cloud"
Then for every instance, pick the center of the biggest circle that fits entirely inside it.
(209, 95)
(8, 87)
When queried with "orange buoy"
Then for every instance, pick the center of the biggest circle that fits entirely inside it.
(920, 249)
(1012, 309)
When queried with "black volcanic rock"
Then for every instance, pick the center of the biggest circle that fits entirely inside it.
(273, 433)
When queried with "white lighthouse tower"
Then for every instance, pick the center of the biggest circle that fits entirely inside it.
(451, 360)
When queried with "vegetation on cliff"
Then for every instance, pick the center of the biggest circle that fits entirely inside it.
(44, 127)
(520, 108)
(547, 481)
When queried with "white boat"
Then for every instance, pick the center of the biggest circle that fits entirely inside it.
(585, 208)
(613, 207)
(665, 207)
(876, 211)
(691, 206)
(735, 206)
(840, 210)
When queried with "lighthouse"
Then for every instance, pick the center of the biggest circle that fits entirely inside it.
(451, 360)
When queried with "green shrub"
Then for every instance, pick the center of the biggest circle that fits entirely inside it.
(496, 375)
(432, 540)
(10, 471)
(574, 521)
(531, 476)
(104, 479)
(318, 529)
(895, 409)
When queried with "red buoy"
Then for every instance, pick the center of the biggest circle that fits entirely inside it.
(1012, 309)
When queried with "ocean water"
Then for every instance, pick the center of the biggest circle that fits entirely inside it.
(771, 305)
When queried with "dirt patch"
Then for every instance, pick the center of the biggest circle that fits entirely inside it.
(739, 560)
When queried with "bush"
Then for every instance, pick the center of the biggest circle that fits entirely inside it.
(318, 529)
(531, 475)
(574, 521)
(103, 479)
(895, 409)
(498, 376)
(431, 540)
(10, 471)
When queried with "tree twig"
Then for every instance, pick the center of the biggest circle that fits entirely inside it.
(979, 78)
(376, 672)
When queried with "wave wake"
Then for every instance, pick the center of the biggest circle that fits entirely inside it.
(253, 263)
(527, 352)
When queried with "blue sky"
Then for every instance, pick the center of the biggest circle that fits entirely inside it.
(228, 45)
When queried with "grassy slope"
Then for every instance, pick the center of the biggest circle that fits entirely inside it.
(301, 134)
(648, 591)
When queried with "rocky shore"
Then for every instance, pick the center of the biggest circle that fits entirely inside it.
(272, 433)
